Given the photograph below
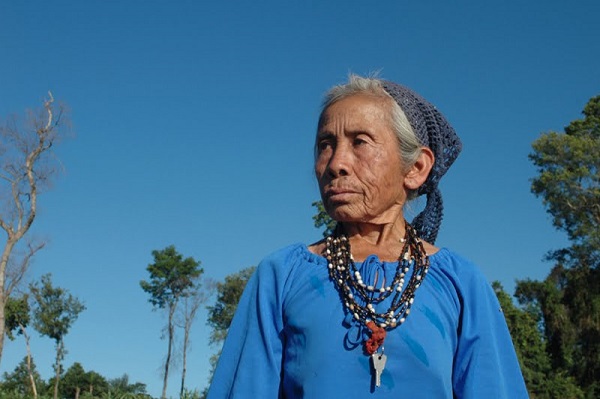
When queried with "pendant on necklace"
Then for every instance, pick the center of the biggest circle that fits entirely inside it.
(372, 345)
(378, 360)
(377, 337)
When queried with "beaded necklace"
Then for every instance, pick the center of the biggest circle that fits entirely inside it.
(354, 292)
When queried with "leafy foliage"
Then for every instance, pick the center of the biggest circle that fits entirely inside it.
(17, 382)
(172, 278)
(566, 305)
(122, 386)
(228, 295)
(27, 166)
(221, 314)
(322, 219)
(55, 309)
(569, 179)
(530, 345)
(16, 313)
(77, 380)
(54, 312)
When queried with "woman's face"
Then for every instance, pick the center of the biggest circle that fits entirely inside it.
(358, 164)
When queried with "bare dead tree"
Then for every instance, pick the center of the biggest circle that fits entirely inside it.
(187, 310)
(27, 166)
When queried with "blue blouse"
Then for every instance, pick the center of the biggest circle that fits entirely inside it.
(291, 336)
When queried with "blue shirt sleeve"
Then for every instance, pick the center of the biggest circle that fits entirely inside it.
(485, 365)
(250, 363)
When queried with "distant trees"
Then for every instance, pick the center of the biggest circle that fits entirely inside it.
(17, 316)
(322, 219)
(18, 383)
(172, 279)
(567, 302)
(187, 315)
(54, 311)
(76, 383)
(221, 313)
(26, 167)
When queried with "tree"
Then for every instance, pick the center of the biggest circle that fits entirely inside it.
(26, 167)
(221, 313)
(54, 312)
(120, 387)
(322, 219)
(17, 319)
(188, 309)
(228, 295)
(96, 384)
(567, 302)
(569, 180)
(18, 381)
(74, 381)
(171, 279)
(530, 346)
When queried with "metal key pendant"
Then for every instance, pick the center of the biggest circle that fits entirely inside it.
(378, 365)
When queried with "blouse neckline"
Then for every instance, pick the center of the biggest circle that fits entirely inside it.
(318, 259)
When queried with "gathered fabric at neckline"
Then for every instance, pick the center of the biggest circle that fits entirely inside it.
(320, 260)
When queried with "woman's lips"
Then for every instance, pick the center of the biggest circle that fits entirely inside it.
(339, 194)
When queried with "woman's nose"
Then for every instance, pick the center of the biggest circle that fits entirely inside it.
(340, 162)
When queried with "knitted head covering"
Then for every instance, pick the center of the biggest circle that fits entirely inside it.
(433, 131)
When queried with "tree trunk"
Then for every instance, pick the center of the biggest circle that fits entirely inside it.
(77, 390)
(29, 370)
(10, 243)
(170, 329)
(184, 366)
(17, 224)
(59, 354)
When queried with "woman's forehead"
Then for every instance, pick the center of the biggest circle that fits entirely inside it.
(358, 108)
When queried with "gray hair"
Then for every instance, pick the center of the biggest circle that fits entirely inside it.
(408, 143)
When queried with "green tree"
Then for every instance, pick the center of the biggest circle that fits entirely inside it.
(322, 219)
(120, 387)
(96, 385)
(567, 302)
(76, 383)
(530, 345)
(27, 166)
(54, 312)
(568, 180)
(18, 381)
(17, 319)
(221, 313)
(171, 278)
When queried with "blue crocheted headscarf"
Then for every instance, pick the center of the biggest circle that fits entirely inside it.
(433, 131)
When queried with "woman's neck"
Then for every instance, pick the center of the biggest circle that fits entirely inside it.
(383, 240)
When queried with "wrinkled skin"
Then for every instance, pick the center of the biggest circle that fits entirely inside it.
(358, 163)
(361, 176)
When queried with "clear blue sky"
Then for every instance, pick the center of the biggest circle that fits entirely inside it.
(194, 125)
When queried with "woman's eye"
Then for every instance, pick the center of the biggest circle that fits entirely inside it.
(323, 145)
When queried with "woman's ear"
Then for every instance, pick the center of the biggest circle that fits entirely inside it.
(417, 174)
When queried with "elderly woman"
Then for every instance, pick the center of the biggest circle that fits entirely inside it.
(375, 310)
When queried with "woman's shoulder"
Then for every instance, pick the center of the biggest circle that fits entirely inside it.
(297, 252)
(456, 265)
(288, 258)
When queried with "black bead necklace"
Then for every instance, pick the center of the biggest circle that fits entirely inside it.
(353, 290)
